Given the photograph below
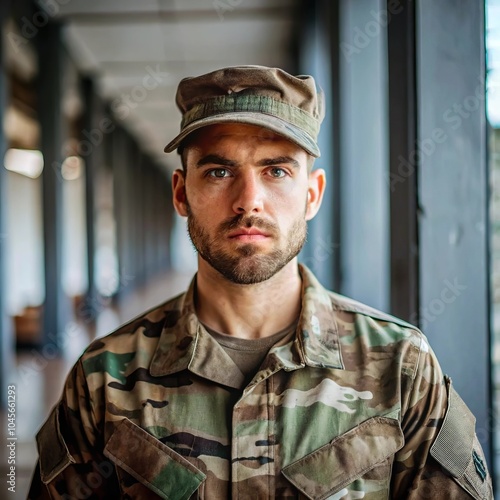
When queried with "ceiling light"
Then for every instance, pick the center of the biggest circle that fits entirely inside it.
(71, 168)
(28, 162)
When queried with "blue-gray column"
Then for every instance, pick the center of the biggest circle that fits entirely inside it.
(363, 129)
(120, 205)
(49, 43)
(92, 141)
(453, 198)
(402, 173)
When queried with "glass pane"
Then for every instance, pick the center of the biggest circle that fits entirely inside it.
(493, 115)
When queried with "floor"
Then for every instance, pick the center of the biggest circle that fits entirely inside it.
(39, 380)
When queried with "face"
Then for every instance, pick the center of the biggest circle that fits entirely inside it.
(247, 195)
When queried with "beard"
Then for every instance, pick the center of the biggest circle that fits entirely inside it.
(247, 264)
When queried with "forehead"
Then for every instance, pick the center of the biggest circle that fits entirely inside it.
(237, 135)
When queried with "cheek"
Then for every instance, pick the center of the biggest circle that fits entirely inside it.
(198, 199)
(293, 199)
(287, 193)
(291, 211)
(206, 209)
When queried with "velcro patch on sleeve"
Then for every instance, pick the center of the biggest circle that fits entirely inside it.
(52, 450)
(453, 445)
(457, 449)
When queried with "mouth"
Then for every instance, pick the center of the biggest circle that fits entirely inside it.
(248, 234)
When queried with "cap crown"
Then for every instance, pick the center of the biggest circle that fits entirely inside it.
(266, 97)
(299, 91)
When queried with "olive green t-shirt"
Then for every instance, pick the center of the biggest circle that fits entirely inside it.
(248, 354)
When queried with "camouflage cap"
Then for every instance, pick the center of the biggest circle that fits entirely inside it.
(267, 97)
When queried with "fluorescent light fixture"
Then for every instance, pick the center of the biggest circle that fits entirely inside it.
(71, 168)
(28, 162)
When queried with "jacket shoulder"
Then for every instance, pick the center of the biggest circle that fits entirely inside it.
(376, 327)
(366, 331)
(348, 305)
(144, 329)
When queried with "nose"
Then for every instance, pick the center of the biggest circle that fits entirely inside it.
(248, 194)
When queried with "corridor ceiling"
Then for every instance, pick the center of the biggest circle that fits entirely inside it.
(139, 51)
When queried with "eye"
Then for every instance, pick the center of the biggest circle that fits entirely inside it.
(219, 173)
(277, 172)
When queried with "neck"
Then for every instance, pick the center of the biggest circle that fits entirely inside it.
(248, 311)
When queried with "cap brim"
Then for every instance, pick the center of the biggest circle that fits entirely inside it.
(270, 122)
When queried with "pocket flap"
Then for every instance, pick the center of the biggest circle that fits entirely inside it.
(52, 450)
(337, 464)
(152, 463)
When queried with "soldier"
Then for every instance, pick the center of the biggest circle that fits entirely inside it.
(257, 383)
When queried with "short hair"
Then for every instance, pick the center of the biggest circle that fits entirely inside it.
(182, 150)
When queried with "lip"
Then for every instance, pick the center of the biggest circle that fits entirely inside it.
(250, 234)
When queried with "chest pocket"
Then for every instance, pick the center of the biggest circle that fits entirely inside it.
(146, 465)
(351, 465)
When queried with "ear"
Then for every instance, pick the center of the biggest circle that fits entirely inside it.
(315, 191)
(179, 192)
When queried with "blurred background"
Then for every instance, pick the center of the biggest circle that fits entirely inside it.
(411, 144)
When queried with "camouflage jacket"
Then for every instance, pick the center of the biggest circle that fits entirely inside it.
(356, 406)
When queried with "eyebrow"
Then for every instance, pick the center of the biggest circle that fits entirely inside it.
(278, 160)
(214, 159)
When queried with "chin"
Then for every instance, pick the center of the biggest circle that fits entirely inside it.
(251, 270)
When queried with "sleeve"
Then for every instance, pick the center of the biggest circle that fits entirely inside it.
(71, 463)
(441, 457)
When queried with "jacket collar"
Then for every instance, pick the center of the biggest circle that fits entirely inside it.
(185, 343)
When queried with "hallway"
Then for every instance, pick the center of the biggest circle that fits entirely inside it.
(410, 144)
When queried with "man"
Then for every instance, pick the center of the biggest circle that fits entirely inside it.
(257, 383)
